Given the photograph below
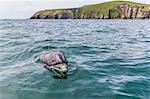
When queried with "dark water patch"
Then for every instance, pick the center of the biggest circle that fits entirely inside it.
(106, 30)
(44, 41)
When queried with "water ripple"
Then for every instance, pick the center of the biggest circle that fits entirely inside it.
(107, 59)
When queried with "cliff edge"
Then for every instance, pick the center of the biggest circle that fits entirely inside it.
(106, 10)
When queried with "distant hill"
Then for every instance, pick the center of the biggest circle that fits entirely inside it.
(106, 10)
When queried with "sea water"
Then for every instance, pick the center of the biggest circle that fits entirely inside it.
(108, 59)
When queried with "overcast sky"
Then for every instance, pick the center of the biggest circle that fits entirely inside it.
(23, 9)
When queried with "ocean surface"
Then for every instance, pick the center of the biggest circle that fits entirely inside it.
(108, 59)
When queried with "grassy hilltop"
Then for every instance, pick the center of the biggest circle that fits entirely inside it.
(106, 10)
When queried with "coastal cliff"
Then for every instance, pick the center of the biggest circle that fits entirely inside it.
(106, 10)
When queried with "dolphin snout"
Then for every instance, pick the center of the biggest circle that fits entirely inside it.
(62, 67)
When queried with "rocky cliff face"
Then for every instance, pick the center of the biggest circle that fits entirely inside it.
(128, 12)
(123, 10)
(56, 14)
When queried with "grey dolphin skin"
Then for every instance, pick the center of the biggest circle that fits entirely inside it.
(55, 61)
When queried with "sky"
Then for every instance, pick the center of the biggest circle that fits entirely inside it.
(24, 9)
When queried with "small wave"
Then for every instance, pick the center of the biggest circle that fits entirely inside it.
(107, 30)
(120, 79)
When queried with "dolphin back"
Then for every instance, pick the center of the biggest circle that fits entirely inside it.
(53, 58)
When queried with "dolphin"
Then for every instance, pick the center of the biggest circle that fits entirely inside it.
(55, 61)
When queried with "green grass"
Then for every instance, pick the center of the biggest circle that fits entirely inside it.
(103, 8)
(114, 13)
